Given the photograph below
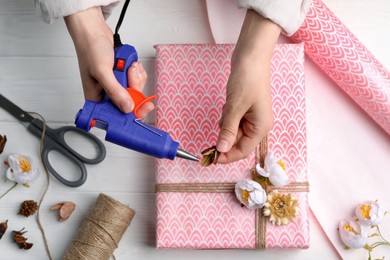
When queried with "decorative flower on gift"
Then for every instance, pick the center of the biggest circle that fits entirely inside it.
(356, 232)
(250, 194)
(274, 169)
(21, 170)
(280, 208)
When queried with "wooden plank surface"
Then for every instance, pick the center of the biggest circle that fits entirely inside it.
(39, 72)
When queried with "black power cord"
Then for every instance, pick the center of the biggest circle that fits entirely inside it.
(117, 38)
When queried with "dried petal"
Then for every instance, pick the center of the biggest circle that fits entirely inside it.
(3, 141)
(3, 228)
(210, 156)
(65, 208)
(56, 206)
(20, 240)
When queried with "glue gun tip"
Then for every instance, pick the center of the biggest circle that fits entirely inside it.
(185, 155)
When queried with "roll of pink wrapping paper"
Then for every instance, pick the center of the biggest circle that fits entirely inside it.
(334, 48)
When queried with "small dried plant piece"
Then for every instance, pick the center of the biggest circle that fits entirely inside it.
(65, 209)
(28, 208)
(20, 240)
(3, 141)
(210, 156)
(3, 228)
(280, 208)
(263, 181)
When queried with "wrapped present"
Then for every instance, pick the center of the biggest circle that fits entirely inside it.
(197, 206)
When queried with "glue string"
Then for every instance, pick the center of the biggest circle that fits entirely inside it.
(38, 220)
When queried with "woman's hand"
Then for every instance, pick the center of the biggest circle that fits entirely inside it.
(247, 115)
(93, 40)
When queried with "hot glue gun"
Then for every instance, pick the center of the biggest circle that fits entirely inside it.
(128, 130)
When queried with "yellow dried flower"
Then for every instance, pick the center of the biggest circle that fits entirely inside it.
(280, 208)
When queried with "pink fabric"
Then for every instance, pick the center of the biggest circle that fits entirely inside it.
(190, 90)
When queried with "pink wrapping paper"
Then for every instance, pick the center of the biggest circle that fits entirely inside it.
(330, 44)
(190, 89)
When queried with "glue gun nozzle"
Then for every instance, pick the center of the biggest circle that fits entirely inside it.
(185, 155)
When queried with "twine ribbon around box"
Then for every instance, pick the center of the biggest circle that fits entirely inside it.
(228, 187)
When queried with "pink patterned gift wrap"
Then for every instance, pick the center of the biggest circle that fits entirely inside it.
(190, 87)
(333, 47)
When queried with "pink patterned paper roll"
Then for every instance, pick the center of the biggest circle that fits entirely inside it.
(190, 87)
(346, 61)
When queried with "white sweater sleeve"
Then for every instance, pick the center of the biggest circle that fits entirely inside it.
(53, 9)
(288, 14)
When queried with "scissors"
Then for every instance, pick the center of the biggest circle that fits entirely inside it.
(54, 140)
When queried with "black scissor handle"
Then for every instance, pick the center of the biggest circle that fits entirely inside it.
(59, 135)
(55, 141)
(50, 145)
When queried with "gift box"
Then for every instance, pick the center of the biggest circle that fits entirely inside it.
(196, 206)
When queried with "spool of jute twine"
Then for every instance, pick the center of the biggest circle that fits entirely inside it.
(101, 230)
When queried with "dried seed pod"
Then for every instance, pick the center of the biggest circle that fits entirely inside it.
(3, 228)
(20, 240)
(210, 156)
(65, 208)
(28, 208)
(3, 141)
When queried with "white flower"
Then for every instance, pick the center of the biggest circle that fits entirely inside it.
(274, 169)
(21, 169)
(369, 213)
(352, 233)
(250, 193)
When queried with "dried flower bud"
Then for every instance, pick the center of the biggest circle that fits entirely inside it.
(28, 208)
(20, 240)
(210, 156)
(3, 141)
(65, 208)
(3, 228)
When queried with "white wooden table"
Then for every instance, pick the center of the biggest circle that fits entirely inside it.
(39, 72)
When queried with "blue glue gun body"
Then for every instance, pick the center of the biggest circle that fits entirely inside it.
(126, 129)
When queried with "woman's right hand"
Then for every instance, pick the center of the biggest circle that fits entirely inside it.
(93, 40)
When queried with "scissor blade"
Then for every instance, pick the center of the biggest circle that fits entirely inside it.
(14, 110)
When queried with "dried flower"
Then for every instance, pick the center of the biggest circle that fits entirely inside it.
(65, 208)
(369, 213)
(3, 141)
(20, 240)
(210, 156)
(280, 208)
(274, 169)
(28, 208)
(250, 193)
(352, 233)
(3, 228)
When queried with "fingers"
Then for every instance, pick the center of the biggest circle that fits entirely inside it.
(137, 76)
(229, 128)
(144, 110)
(244, 146)
(117, 94)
